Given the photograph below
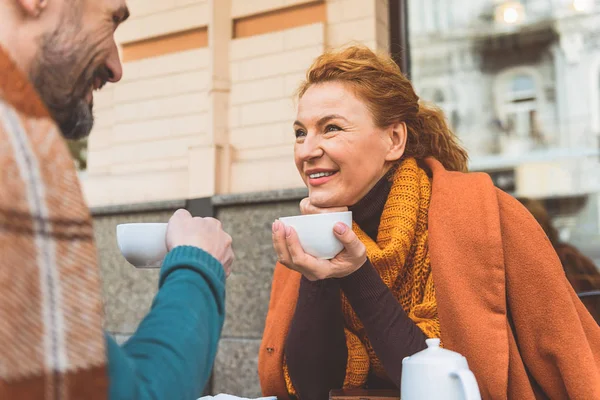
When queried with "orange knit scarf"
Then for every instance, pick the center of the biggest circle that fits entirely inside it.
(401, 257)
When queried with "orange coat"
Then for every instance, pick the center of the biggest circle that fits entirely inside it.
(503, 299)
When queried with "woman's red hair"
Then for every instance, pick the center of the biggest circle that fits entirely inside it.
(377, 80)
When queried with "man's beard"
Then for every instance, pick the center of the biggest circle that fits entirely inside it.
(63, 73)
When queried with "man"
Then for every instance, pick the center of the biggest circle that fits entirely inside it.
(53, 55)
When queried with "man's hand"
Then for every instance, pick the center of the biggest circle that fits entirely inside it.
(204, 233)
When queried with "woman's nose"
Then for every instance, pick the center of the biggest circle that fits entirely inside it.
(309, 149)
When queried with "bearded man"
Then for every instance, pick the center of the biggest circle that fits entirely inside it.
(53, 55)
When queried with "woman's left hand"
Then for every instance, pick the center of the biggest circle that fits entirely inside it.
(290, 253)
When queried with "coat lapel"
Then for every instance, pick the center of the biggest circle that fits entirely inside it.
(467, 264)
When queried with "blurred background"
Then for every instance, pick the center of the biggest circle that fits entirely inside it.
(203, 120)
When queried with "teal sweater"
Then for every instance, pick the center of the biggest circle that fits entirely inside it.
(172, 353)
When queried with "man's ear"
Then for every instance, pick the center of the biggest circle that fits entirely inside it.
(398, 135)
(32, 8)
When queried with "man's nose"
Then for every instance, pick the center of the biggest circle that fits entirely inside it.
(113, 63)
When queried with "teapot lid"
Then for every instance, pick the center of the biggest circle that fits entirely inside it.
(435, 354)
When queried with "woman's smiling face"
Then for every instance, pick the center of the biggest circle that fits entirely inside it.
(339, 151)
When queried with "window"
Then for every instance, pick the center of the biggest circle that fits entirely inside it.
(594, 101)
(444, 100)
(518, 102)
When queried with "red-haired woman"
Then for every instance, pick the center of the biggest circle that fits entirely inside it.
(433, 252)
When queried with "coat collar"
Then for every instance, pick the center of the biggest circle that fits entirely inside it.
(17, 90)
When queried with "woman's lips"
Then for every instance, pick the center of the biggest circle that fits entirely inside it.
(322, 179)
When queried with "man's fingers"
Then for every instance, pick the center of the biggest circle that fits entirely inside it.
(230, 258)
(182, 213)
(228, 265)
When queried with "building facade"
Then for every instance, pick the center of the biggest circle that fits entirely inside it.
(520, 83)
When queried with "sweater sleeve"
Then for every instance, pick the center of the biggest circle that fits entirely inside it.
(171, 354)
(391, 332)
(315, 347)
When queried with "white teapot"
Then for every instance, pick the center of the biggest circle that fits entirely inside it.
(437, 373)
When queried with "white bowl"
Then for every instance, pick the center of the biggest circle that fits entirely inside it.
(315, 232)
(143, 244)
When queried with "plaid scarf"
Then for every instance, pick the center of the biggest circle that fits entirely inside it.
(51, 340)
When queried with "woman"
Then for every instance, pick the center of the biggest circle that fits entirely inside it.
(433, 252)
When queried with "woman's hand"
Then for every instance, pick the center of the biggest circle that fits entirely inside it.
(306, 207)
(290, 253)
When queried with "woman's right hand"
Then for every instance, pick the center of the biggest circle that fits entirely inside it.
(290, 253)
(306, 207)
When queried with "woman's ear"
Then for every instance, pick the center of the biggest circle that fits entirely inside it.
(398, 135)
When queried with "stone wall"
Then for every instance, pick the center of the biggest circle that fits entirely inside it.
(248, 219)
(128, 292)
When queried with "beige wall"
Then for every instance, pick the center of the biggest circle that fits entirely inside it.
(145, 125)
(244, 8)
(356, 20)
(152, 18)
(183, 125)
(265, 72)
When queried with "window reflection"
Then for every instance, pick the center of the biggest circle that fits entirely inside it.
(520, 83)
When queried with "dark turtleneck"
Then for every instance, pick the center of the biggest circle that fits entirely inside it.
(367, 212)
(315, 349)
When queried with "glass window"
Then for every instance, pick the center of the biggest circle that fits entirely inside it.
(519, 109)
(446, 101)
(520, 83)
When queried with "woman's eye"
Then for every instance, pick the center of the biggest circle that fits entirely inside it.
(299, 133)
(332, 128)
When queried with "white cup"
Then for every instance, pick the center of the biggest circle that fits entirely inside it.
(143, 245)
(315, 232)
